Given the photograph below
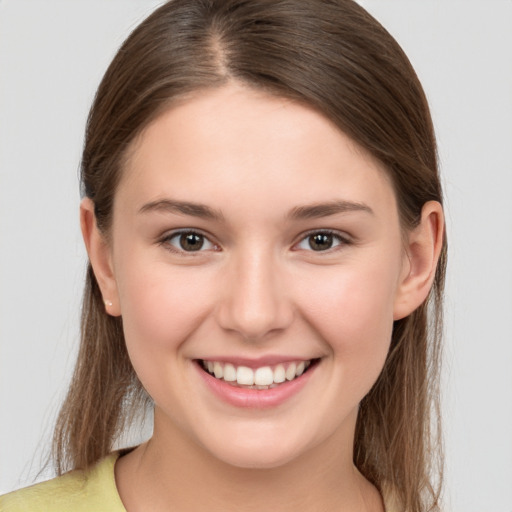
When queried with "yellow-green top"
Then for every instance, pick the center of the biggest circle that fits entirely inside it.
(76, 491)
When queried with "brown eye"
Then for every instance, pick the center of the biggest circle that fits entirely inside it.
(189, 241)
(322, 241)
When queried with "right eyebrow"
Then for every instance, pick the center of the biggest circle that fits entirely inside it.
(183, 208)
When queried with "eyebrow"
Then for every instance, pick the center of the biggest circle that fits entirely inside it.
(313, 211)
(183, 207)
(318, 210)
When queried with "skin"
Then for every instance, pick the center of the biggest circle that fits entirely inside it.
(255, 289)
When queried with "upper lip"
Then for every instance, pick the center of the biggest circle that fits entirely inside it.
(268, 360)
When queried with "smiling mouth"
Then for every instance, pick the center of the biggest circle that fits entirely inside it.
(265, 377)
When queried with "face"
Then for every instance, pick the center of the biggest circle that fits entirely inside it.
(251, 240)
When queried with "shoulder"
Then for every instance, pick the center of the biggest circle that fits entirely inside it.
(75, 491)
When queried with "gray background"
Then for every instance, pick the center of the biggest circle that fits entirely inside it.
(52, 56)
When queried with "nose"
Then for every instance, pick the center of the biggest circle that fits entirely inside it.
(255, 303)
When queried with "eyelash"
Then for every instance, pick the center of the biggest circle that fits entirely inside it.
(342, 240)
(166, 241)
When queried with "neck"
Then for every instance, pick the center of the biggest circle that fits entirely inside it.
(172, 472)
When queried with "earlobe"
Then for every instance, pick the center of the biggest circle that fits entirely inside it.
(99, 252)
(423, 249)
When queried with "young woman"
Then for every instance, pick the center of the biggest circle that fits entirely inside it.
(262, 213)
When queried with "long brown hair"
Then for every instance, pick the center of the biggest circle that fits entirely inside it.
(333, 56)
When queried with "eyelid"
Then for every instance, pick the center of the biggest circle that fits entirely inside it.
(164, 240)
(343, 239)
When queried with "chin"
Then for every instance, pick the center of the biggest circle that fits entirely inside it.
(256, 450)
(255, 458)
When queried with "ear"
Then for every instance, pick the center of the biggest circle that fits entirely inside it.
(423, 247)
(100, 256)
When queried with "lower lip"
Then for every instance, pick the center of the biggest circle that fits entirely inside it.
(255, 398)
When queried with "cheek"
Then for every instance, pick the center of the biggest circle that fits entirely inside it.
(161, 306)
(353, 312)
(161, 309)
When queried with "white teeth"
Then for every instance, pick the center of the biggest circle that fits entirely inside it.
(279, 374)
(217, 370)
(264, 376)
(245, 376)
(290, 371)
(229, 373)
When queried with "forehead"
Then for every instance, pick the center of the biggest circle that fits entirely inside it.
(236, 141)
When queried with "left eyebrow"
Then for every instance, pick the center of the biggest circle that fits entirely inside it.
(318, 210)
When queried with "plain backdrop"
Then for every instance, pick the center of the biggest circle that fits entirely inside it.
(52, 56)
